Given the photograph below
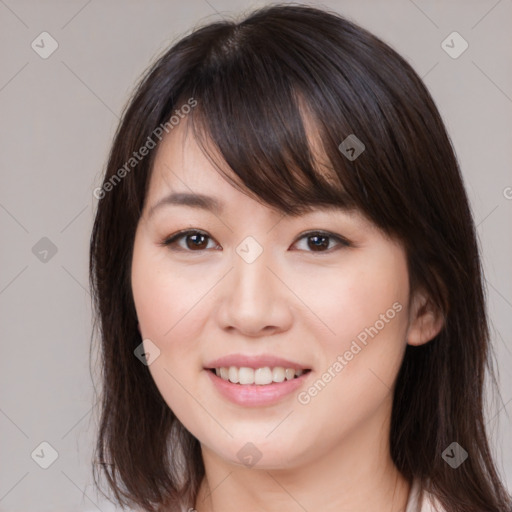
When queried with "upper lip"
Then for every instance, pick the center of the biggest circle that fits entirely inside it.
(253, 361)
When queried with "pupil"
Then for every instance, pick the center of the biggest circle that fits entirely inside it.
(195, 244)
(324, 244)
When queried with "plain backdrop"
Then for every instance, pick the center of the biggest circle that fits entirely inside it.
(58, 117)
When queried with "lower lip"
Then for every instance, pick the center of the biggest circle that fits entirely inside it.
(253, 395)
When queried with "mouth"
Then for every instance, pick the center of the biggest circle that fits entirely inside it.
(256, 387)
(245, 376)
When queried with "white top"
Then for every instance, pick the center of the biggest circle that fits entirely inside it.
(427, 504)
(413, 505)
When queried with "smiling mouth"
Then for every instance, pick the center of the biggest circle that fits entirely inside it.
(258, 376)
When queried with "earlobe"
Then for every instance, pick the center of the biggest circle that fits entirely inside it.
(426, 321)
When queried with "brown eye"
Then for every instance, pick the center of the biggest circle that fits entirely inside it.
(195, 241)
(319, 241)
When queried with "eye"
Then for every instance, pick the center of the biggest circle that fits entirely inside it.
(319, 241)
(194, 240)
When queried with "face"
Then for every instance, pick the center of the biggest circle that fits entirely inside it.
(326, 291)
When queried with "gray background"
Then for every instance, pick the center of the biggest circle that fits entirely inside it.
(58, 118)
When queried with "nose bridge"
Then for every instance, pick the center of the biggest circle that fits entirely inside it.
(251, 275)
(254, 298)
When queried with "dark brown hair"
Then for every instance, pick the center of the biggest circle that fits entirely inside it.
(256, 82)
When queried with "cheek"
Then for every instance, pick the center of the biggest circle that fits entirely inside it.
(370, 293)
(165, 309)
(367, 310)
(156, 301)
(168, 308)
(163, 298)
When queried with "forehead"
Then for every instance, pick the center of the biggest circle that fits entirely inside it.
(180, 160)
(187, 155)
(184, 175)
(184, 178)
(190, 171)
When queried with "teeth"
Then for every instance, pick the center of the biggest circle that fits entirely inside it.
(233, 374)
(260, 376)
(278, 374)
(245, 375)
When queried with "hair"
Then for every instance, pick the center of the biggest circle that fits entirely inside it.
(262, 87)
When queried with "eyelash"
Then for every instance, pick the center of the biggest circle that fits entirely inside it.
(171, 241)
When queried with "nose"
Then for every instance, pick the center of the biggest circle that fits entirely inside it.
(254, 301)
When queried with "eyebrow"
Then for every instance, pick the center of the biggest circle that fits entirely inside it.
(187, 199)
(210, 203)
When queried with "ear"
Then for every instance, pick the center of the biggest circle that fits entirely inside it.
(425, 320)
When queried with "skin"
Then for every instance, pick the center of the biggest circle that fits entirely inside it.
(331, 454)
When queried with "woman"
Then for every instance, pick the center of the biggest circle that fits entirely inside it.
(287, 282)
